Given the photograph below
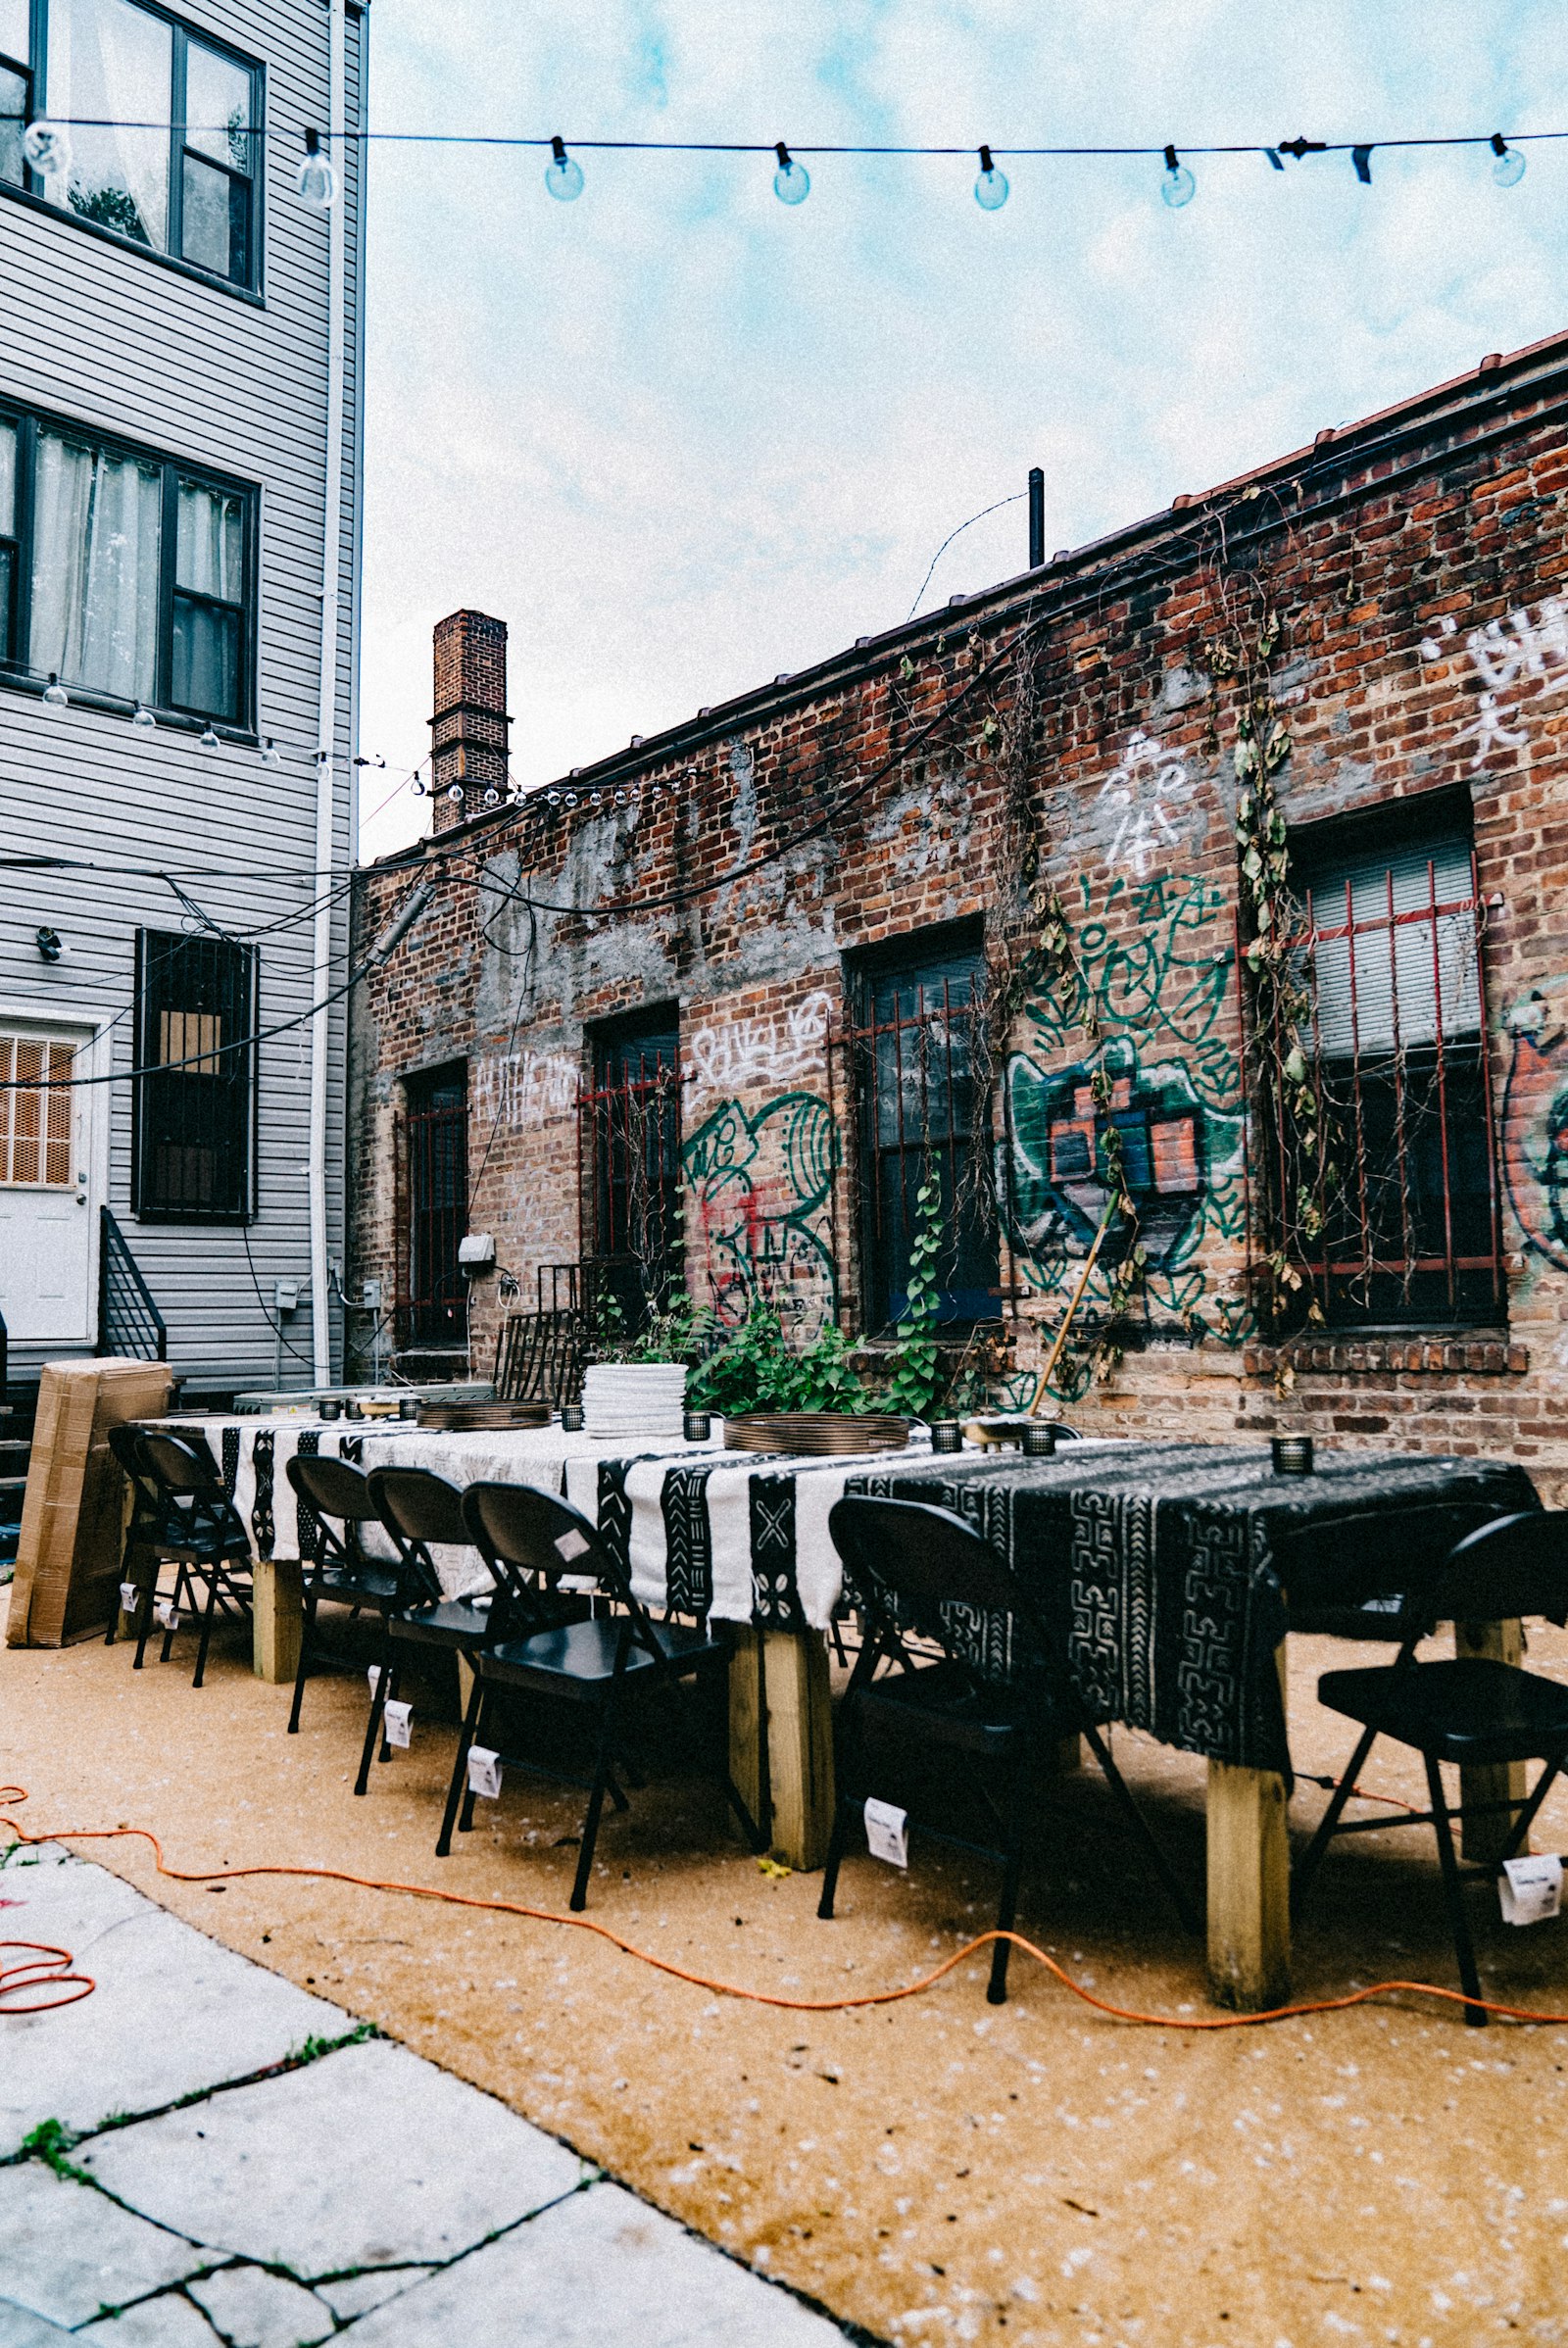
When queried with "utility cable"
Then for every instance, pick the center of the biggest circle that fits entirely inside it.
(766, 1997)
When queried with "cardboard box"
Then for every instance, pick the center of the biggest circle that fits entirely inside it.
(67, 1559)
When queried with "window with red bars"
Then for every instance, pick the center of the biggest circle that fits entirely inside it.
(1380, 1170)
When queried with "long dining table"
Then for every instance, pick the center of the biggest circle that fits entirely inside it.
(1169, 1572)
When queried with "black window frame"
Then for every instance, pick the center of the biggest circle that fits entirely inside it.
(922, 964)
(34, 70)
(435, 1142)
(202, 970)
(637, 1256)
(16, 625)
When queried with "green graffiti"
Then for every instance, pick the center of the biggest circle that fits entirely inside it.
(760, 1188)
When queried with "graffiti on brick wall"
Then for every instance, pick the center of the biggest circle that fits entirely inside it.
(1521, 657)
(1144, 806)
(767, 1050)
(1154, 971)
(1534, 1129)
(760, 1227)
(524, 1090)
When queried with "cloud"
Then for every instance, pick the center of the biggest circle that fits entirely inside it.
(681, 437)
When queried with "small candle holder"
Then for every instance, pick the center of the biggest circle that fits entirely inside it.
(571, 1418)
(1293, 1455)
(696, 1426)
(946, 1435)
(1039, 1443)
(353, 1409)
(409, 1407)
(329, 1408)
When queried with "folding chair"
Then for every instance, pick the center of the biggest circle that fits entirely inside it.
(1467, 1710)
(607, 1663)
(338, 1494)
(198, 1531)
(909, 1566)
(422, 1512)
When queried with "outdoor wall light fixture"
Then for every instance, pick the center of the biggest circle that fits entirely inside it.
(1178, 187)
(1508, 166)
(562, 177)
(48, 944)
(991, 188)
(792, 182)
(55, 694)
(316, 179)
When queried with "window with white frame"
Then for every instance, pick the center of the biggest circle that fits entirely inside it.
(162, 140)
(125, 574)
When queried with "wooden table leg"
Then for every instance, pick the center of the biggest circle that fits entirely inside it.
(278, 1620)
(781, 1740)
(1483, 1839)
(1249, 1889)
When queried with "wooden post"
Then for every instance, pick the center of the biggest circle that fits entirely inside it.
(1483, 1838)
(278, 1619)
(1249, 1889)
(781, 1740)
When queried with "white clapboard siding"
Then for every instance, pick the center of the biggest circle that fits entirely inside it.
(110, 337)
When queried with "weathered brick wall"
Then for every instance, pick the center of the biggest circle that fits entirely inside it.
(1074, 733)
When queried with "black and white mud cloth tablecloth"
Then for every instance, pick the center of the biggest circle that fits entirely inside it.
(1165, 1567)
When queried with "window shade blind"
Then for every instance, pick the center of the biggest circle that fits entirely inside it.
(1394, 950)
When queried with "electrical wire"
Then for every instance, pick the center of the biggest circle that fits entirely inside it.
(1016, 498)
(763, 1997)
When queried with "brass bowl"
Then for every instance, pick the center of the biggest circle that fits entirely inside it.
(816, 1433)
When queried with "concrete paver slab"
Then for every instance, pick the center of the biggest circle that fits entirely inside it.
(601, 2270)
(167, 2322)
(356, 2294)
(20, 2328)
(368, 2157)
(66, 2251)
(116, 2050)
(253, 2309)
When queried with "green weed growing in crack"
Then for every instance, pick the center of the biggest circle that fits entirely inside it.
(50, 2143)
(313, 2049)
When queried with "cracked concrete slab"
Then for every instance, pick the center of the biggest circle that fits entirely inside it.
(167, 2322)
(601, 2270)
(356, 2294)
(367, 2158)
(126, 2049)
(20, 2328)
(254, 2309)
(66, 2252)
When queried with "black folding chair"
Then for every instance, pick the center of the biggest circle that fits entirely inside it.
(909, 1566)
(150, 1524)
(198, 1530)
(530, 1541)
(338, 1494)
(422, 1511)
(1467, 1710)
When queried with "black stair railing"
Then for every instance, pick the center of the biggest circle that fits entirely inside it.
(129, 1323)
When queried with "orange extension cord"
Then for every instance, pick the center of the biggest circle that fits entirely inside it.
(699, 1981)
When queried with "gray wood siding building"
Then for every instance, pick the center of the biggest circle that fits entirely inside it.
(188, 403)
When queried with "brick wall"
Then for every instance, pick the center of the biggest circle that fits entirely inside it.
(1060, 750)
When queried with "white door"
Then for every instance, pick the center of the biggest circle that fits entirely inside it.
(46, 1233)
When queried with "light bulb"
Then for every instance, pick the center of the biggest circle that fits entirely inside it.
(142, 720)
(792, 181)
(54, 692)
(571, 799)
(551, 799)
(208, 738)
(416, 789)
(1508, 166)
(272, 756)
(47, 148)
(1178, 187)
(991, 188)
(492, 797)
(315, 178)
(594, 798)
(454, 796)
(562, 177)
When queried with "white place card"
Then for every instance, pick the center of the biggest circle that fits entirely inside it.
(484, 1771)
(169, 1614)
(887, 1832)
(130, 1598)
(571, 1543)
(394, 1719)
(1531, 1890)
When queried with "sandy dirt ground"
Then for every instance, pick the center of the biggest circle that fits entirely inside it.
(938, 2169)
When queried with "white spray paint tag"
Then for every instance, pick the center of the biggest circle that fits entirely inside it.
(395, 1720)
(484, 1771)
(1531, 1890)
(571, 1543)
(130, 1598)
(887, 1832)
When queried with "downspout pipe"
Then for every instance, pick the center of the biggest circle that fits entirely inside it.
(326, 728)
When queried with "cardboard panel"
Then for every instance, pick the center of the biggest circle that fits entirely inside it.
(68, 1558)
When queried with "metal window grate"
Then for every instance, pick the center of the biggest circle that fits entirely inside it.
(195, 1101)
(35, 1117)
(436, 1157)
(628, 1167)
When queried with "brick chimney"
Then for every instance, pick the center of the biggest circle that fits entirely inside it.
(468, 731)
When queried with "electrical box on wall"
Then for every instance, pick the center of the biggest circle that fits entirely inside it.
(476, 1255)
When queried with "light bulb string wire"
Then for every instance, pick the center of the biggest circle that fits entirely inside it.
(1297, 148)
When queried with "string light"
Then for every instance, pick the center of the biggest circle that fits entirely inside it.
(47, 148)
(272, 756)
(1178, 187)
(143, 719)
(562, 177)
(315, 178)
(792, 181)
(54, 692)
(455, 795)
(207, 737)
(991, 188)
(1508, 168)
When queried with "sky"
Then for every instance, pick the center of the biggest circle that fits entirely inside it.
(682, 437)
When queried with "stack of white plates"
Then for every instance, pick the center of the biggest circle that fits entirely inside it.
(623, 1397)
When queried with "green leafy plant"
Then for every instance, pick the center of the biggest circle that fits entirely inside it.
(50, 2143)
(918, 1376)
(758, 1369)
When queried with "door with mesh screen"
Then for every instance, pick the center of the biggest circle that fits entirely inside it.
(46, 1223)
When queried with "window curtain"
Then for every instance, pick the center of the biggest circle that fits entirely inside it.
(111, 61)
(95, 568)
(210, 545)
